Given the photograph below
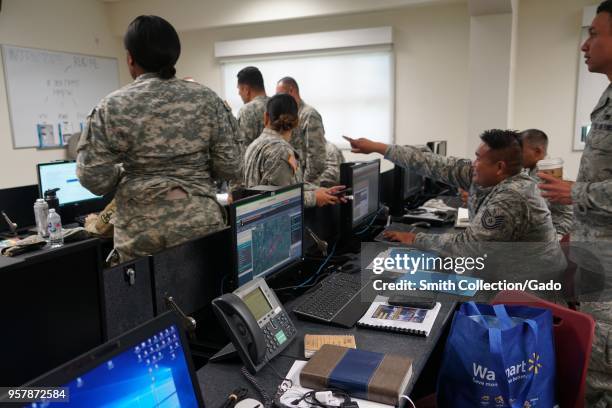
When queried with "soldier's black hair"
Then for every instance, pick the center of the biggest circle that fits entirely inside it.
(605, 7)
(290, 82)
(506, 146)
(154, 45)
(283, 112)
(252, 77)
(534, 137)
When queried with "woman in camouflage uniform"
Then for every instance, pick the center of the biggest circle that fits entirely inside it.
(271, 160)
(161, 142)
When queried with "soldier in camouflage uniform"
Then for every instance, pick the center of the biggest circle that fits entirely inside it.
(253, 94)
(535, 145)
(160, 142)
(513, 210)
(308, 138)
(333, 159)
(591, 196)
(271, 160)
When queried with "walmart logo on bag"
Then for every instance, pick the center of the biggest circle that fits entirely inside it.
(534, 363)
(520, 369)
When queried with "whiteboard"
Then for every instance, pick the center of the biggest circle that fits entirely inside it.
(51, 93)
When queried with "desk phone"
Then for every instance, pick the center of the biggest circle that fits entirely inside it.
(256, 322)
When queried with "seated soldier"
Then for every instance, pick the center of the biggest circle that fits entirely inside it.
(535, 146)
(513, 210)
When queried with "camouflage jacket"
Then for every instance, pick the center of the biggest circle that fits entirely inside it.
(331, 176)
(592, 192)
(308, 139)
(562, 215)
(166, 134)
(512, 211)
(271, 161)
(251, 119)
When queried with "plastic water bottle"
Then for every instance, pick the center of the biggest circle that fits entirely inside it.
(41, 212)
(54, 226)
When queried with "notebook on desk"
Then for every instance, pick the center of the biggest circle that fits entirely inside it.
(383, 316)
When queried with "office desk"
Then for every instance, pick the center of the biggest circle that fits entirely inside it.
(46, 253)
(6, 261)
(217, 380)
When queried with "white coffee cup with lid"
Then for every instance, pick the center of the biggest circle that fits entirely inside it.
(552, 166)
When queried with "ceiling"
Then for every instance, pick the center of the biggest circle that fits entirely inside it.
(200, 14)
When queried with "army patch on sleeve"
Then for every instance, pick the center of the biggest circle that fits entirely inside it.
(490, 221)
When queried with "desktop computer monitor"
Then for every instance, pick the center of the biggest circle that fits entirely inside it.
(363, 178)
(433, 187)
(267, 232)
(410, 183)
(438, 147)
(62, 175)
(149, 366)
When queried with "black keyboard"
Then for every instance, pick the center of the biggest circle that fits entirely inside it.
(80, 219)
(394, 227)
(333, 295)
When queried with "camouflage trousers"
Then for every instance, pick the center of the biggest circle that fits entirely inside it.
(144, 228)
(593, 256)
(599, 376)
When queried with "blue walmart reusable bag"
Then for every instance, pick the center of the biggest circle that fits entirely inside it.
(498, 356)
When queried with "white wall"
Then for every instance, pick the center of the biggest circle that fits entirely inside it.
(489, 81)
(64, 25)
(546, 73)
(431, 51)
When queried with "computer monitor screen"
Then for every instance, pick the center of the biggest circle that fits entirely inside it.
(267, 232)
(438, 147)
(365, 179)
(147, 367)
(412, 183)
(62, 175)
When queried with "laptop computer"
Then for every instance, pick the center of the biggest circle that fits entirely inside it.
(149, 366)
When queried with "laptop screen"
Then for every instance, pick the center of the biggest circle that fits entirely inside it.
(153, 371)
(62, 175)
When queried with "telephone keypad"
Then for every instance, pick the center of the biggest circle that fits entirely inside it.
(278, 331)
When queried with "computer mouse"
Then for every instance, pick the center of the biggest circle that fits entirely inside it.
(248, 403)
(423, 224)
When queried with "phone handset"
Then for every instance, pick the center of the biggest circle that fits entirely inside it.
(256, 322)
(241, 326)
